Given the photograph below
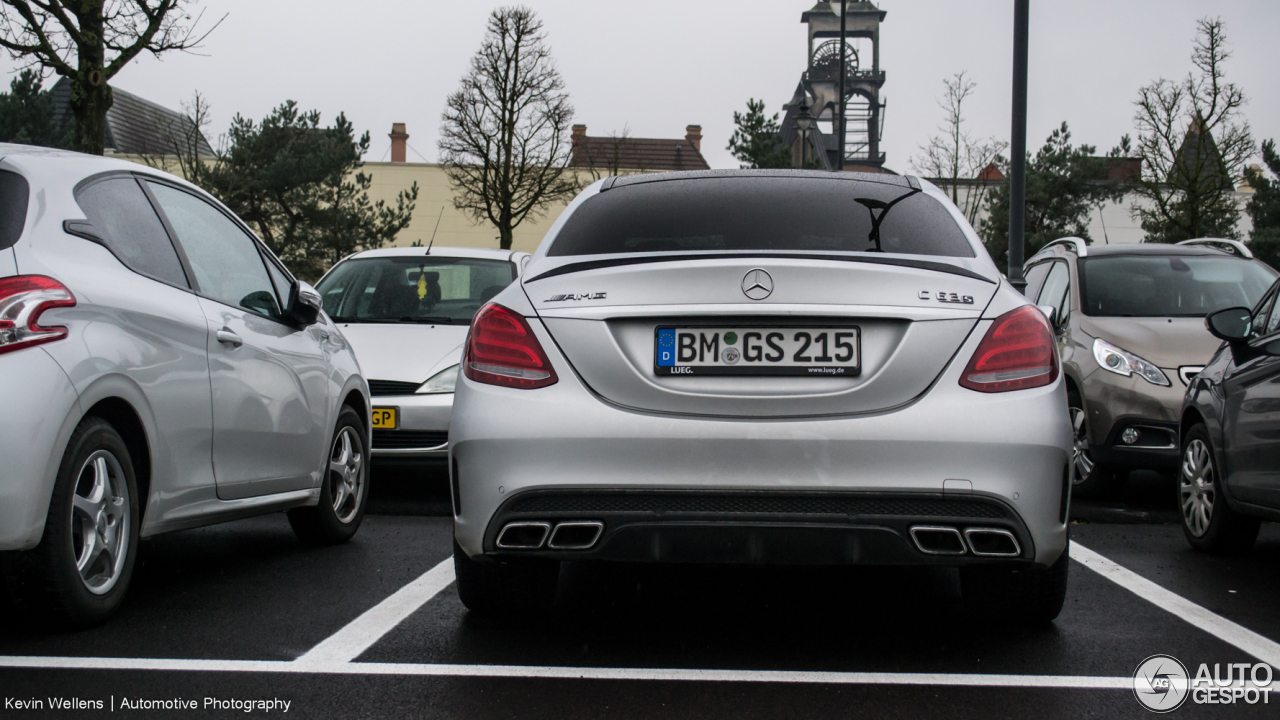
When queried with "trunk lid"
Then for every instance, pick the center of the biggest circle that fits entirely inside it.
(604, 318)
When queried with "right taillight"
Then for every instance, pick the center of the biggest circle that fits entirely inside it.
(23, 299)
(1017, 353)
(502, 350)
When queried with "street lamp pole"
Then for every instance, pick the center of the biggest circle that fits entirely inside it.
(1018, 147)
(841, 103)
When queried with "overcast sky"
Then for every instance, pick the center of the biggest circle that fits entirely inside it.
(655, 66)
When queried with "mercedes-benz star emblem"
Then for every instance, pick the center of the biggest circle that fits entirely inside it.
(757, 284)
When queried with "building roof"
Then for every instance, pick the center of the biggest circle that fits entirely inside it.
(611, 154)
(134, 126)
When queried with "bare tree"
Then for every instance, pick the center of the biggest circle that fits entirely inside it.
(954, 158)
(503, 143)
(1192, 140)
(181, 150)
(89, 41)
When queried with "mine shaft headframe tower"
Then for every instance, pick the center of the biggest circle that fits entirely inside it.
(862, 111)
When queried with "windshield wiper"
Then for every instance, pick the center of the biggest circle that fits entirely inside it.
(871, 204)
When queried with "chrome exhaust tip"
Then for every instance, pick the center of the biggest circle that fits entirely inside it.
(938, 540)
(575, 535)
(992, 542)
(523, 535)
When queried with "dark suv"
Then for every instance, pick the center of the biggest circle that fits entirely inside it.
(1131, 335)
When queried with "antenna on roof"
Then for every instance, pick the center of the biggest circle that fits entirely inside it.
(433, 232)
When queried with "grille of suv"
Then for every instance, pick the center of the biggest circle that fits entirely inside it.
(753, 503)
(383, 388)
(408, 439)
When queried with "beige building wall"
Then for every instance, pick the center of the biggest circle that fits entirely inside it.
(434, 195)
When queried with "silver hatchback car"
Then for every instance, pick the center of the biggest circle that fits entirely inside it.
(160, 370)
(783, 367)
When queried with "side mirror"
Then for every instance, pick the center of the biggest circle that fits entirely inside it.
(304, 304)
(1231, 324)
(1050, 312)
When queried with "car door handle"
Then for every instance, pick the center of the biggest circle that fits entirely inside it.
(226, 336)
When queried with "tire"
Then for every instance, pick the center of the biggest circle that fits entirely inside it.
(79, 573)
(1208, 521)
(344, 491)
(505, 588)
(1089, 478)
(1024, 596)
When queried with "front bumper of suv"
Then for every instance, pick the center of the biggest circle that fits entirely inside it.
(1116, 403)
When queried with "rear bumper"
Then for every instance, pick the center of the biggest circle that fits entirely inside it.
(953, 443)
(39, 414)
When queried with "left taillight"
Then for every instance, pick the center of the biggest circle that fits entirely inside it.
(1017, 353)
(23, 299)
(502, 350)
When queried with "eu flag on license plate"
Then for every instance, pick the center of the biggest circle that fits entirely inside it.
(666, 347)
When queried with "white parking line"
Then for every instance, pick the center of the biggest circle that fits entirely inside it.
(1262, 648)
(360, 634)
(574, 673)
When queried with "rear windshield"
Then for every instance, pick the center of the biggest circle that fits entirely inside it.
(1169, 286)
(425, 289)
(742, 213)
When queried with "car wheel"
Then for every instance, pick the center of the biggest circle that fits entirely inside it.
(79, 573)
(1089, 478)
(1207, 520)
(344, 492)
(506, 588)
(1020, 596)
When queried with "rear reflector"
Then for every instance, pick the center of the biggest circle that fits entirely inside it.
(502, 350)
(1017, 353)
(23, 299)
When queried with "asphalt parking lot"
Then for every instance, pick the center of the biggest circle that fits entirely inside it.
(243, 612)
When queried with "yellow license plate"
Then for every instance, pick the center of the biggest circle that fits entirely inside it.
(385, 418)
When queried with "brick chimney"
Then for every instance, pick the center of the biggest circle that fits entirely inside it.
(399, 141)
(578, 134)
(693, 134)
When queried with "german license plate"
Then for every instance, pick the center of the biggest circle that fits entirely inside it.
(385, 418)
(812, 351)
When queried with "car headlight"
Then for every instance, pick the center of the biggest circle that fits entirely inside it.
(1122, 362)
(442, 382)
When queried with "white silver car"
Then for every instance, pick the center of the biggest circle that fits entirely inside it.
(762, 367)
(406, 311)
(160, 370)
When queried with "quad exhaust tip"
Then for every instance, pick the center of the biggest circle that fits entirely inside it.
(535, 534)
(992, 542)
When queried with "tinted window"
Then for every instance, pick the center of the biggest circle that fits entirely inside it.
(424, 289)
(281, 281)
(1035, 277)
(1055, 288)
(120, 211)
(761, 213)
(1265, 323)
(14, 193)
(225, 260)
(1155, 286)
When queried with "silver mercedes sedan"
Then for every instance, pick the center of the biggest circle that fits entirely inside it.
(771, 367)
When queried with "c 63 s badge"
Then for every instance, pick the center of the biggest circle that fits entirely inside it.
(576, 296)
(946, 297)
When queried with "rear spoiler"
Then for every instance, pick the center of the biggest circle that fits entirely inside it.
(870, 259)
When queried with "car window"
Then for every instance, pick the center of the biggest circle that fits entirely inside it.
(282, 283)
(123, 215)
(1268, 318)
(14, 194)
(1035, 278)
(1055, 289)
(226, 261)
(761, 213)
(1170, 286)
(418, 289)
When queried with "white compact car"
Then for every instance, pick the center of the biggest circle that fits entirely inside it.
(406, 311)
(160, 370)
(775, 366)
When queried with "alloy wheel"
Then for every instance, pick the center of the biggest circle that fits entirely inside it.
(346, 474)
(1196, 487)
(1081, 458)
(100, 522)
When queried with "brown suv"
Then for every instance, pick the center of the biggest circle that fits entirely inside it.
(1131, 335)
